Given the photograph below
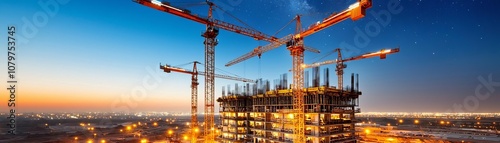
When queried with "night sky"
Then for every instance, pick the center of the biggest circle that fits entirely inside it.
(97, 51)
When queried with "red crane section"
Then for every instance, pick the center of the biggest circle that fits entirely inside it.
(382, 54)
(166, 7)
(194, 91)
(168, 69)
(212, 30)
(340, 62)
(354, 11)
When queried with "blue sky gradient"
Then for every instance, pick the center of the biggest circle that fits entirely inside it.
(97, 51)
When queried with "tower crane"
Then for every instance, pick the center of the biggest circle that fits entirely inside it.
(212, 30)
(295, 45)
(194, 91)
(339, 68)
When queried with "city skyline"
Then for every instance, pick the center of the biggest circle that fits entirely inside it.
(96, 60)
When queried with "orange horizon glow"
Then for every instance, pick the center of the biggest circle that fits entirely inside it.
(63, 102)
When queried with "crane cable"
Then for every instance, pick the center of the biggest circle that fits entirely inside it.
(223, 71)
(326, 55)
(286, 25)
(182, 65)
(239, 20)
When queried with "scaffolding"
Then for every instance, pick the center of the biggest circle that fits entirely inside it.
(264, 115)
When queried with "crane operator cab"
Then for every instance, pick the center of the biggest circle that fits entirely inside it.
(213, 29)
(211, 32)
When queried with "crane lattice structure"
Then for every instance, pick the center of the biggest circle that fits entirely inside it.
(295, 45)
(212, 30)
(194, 91)
(339, 68)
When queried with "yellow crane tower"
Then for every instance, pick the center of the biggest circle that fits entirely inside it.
(194, 91)
(295, 44)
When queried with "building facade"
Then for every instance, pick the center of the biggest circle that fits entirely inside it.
(267, 117)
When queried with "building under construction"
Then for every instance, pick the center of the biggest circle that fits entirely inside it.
(262, 113)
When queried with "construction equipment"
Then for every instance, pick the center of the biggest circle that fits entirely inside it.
(194, 91)
(340, 62)
(212, 30)
(295, 44)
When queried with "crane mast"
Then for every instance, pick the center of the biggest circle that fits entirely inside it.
(194, 91)
(339, 68)
(295, 44)
(166, 7)
(355, 11)
(194, 95)
(296, 47)
(210, 42)
(194, 104)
